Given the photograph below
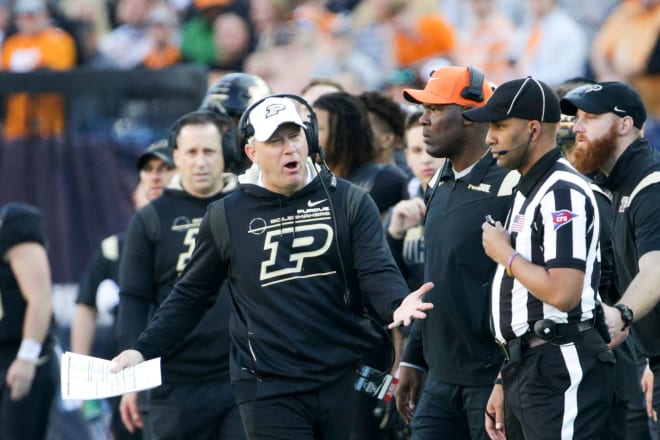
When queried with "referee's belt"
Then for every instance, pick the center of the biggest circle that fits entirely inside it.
(542, 332)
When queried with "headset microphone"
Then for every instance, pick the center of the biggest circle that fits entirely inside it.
(505, 152)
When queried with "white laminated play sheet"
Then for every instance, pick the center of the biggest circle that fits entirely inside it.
(87, 377)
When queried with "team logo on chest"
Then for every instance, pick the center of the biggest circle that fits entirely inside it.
(625, 202)
(292, 242)
(563, 217)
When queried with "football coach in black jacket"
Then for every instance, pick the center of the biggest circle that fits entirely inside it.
(298, 249)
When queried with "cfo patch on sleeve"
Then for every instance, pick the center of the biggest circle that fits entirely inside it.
(563, 217)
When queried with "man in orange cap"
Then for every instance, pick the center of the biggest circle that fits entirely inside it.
(453, 351)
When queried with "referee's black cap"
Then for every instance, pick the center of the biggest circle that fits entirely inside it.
(606, 97)
(524, 98)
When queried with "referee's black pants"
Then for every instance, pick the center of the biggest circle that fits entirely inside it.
(559, 391)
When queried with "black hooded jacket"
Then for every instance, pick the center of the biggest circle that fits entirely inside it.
(291, 328)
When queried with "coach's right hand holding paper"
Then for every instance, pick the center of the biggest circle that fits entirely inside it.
(127, 358)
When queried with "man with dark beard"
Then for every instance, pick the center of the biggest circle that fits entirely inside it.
(610, 116)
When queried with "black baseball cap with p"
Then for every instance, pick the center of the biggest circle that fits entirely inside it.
(159, 149)
(605, 97)
(524, 98)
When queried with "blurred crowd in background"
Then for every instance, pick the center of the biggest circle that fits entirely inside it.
(362, 44)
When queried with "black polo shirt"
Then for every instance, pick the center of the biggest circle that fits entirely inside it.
(636, 227)
(458, 344)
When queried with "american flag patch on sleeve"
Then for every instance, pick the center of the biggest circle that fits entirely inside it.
(518, 223)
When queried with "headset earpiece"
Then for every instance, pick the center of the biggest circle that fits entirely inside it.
(246, 131)
(243, 126)
(172, 134)
(312, 131)
(474, 91)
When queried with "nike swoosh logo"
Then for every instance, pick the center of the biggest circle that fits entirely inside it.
(617, 109)
(313, 204)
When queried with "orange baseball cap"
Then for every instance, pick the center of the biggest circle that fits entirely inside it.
(453, 85)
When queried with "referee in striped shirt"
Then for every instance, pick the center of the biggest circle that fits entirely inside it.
(558, 377)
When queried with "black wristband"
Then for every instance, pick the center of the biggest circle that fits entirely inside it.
(497, 381)
(627, 315)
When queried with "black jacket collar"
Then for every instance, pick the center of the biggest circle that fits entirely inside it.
(634, 159)
(475, 176)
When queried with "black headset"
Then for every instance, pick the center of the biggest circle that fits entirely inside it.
(474, 91)
(224, 125)
(246, 130)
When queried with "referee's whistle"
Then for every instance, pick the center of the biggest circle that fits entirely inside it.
(490, 220)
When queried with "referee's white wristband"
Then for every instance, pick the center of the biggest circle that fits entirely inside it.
(29, 351)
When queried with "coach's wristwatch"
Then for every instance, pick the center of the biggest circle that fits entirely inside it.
(626, 315)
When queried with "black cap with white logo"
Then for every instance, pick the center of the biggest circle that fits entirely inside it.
(606, 97)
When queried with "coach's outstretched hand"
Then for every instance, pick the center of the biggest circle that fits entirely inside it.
(127, 358)
(412, 307)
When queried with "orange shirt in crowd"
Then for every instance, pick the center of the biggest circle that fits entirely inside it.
(433, 36)
(160, 59)
(38, 114)
(487, 44)
(626, 39)
(623, 46)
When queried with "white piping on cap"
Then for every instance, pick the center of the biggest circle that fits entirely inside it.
(543, 95)
(522, 86)
(515, 98)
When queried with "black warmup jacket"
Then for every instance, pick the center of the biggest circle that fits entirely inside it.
(636, 229)
(291, 329)
(159, 242)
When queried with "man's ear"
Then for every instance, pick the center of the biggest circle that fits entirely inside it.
(535, 130)
(626, 125)
(466, 123)
(251, 153)
(388, 139)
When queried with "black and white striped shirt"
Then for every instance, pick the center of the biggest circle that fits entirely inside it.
(553, 223)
